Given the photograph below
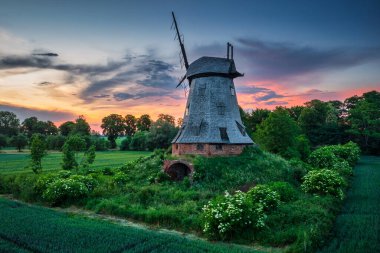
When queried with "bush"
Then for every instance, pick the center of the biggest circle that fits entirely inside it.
(101, 144)
(286, 191)
(349, 152)
(88, 181)
(120, 179)
(43, 182)
(65, 190)
(324, 182)
(264, 195)
(323, 158)
(230, 215)
(124, 145)
(108, 171)
(55, 142)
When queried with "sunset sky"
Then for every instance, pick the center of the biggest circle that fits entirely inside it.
(120, 56)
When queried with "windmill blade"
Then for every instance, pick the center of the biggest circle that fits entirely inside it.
(180, 82)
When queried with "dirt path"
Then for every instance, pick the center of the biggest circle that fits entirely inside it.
(357, 227)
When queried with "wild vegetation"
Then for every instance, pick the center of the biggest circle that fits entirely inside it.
(288, 198)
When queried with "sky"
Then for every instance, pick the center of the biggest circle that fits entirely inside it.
(62, 59)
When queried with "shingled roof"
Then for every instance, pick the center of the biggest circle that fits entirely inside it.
(212, 66)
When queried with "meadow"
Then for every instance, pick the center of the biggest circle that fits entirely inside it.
(357, 227)
(26, 228)
(13, 162)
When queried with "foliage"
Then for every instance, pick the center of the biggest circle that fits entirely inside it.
(66, 128)
(130, 124)
(113, 126)
(32, 125)
(65, 190)
(9, 123)
(89, 157)
(252, 119)
(101, 144)
(230, 215)
(303, 146)
(3, 141)
(139, 141)
(72, 146)
(124, 145)
(364, 120)
(19, 141)
(161, 133)
(143, 123)
(278, 134)
(55, 142)
(286, 191)
(120, 179)
(324, 182)
(265, 196)
(37, 152)
(81, 127)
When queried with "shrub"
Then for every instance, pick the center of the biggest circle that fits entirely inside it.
(229, 215)
(324, 182)
(88, 181)
(161, 177)
(55, 142)
(286, 191)
(300, 169)
(343, 168)
(349, 152)
(43, 182)
(100, 143)
(65, 190)
(108, 172)
(120, 179)
(124, 145)
(322, 158)
(264, 195)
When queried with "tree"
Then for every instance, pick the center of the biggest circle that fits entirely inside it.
(130, 124)
(32, 126)
(295, 111)
(66, 128)
(73, 145)
(81, 126)
(89, 157)
(113, 126)
(144, 122)
(253, 119)
(19, 141)
(278, 134)
(37, 152)
(3, 141)
(50, 128)
(161, 133)
(139, 141)
(166, 117)
(364, 122)
(9, 123)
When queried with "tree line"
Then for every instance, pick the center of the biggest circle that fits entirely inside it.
(292, 132)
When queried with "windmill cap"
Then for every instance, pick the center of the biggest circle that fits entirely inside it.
(212, 66)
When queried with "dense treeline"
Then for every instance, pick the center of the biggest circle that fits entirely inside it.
(292, 132)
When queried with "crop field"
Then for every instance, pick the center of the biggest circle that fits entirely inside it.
(25, 228)
(17, 162)
(357, 228)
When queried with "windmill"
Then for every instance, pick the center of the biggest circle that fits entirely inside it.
(211, 124)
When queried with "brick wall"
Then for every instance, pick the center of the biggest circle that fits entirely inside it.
(207, 149)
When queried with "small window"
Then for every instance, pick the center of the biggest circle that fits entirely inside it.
(223, 134)
(221, 109)
(232, 91)
(219, 147)
(200, 146)
(241, 128)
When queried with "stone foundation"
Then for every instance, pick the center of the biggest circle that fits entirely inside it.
(207, 149)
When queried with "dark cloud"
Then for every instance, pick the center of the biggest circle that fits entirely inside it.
(274, 102)
(265, 60)
(251, 89)
(47, 54)
(270, 94)
(9, 62)
(101, 96)
(122, 96)
(23, 113)
(44, 83)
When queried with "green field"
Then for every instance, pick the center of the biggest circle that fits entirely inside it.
(357, 228)
(16, 162)
(25, 228)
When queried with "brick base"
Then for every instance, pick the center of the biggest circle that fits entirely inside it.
(207, 149)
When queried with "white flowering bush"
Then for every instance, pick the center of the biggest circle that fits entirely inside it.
(88, 181)
(120, 179)
(264, 195)
(231, 214)
(323, 158)
(65, 190)
(324, 182)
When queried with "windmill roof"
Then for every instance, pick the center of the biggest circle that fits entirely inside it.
(206, 66)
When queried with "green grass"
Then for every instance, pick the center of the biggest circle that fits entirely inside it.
(25, 228)
(16, 163)
(357, 228)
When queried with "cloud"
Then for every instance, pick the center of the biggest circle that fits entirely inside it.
(266, 60)
(270, 94)
(276, 103)
(15, 61)
(23, 113)
(47, 54)
(102, 96)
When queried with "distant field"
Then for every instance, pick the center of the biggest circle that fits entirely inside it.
(26, 228)
(357, 228)
(13, 162)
